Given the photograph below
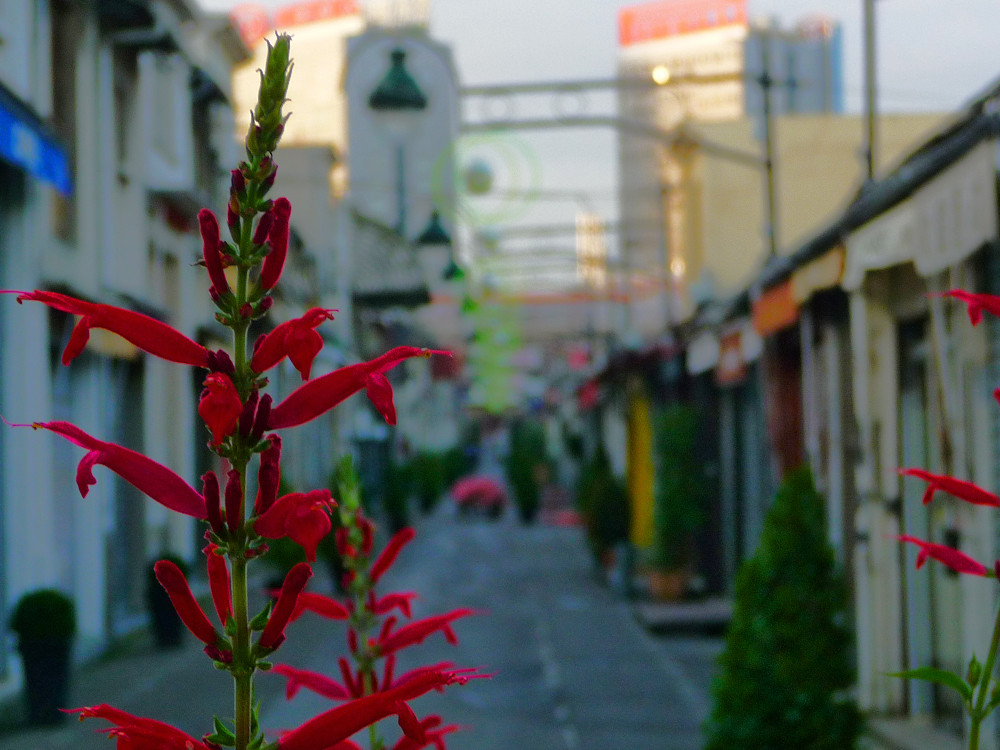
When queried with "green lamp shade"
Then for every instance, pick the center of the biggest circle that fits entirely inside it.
(397, 90)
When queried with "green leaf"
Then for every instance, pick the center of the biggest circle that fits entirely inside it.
(940, 676)
(260, 619)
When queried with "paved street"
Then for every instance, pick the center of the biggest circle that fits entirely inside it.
(572, 669)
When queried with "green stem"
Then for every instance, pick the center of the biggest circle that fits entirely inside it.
(984, 686)
(243, 671)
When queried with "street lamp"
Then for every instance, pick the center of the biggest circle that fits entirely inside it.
(437, 261)
(397, 98)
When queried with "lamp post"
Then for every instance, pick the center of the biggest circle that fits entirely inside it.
(397, 98)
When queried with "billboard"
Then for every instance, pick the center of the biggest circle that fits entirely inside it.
(641, 23)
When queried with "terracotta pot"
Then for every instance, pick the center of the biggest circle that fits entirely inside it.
(668, 585)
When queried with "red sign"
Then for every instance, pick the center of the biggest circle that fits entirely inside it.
(641, 23)
(253, 21)
(318, 10)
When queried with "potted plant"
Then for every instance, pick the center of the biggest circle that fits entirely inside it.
(603, 503)
(679, 501)
(168, 630)
(527, 467)
(45, 624)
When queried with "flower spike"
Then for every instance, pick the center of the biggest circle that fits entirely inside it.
(143, 473)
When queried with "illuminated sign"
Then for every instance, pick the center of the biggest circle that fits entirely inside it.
(642, 23)
(253, 20)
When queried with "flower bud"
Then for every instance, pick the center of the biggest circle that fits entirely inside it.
(274, 631)
(247, 415)
(264, 224)
(234, 501)
(213, 502)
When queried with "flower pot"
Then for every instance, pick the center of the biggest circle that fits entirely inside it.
(46, 678)
(668, 585)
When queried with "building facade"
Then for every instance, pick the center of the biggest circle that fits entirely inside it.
(104, 200)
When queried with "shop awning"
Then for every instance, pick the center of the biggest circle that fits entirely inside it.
(26, 143)
(775, 309)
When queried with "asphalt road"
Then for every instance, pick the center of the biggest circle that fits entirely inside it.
(571, 667)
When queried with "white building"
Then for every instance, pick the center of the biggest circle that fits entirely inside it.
(103, 208)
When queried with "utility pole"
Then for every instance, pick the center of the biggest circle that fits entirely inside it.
(766, 84)
(870, 116)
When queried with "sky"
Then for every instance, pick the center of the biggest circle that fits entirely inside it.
(932, 55)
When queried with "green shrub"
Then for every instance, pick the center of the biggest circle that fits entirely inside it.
(395, 496)
(428, 472)
(680, 487)
(45, 614)
(785, 668)
(602, 500)
(527, 466)
(456, 463)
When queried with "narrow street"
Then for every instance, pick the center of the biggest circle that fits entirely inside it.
(571, 667)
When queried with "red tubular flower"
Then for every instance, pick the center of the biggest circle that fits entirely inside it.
(318, 683)
(143, 473)
(434, 735)
(268, 476)
(213, 502)
(137, 732)
(954, 559)
(961, 489)
(324, 606)
(297, 339)
(321, 394)
(274, 631)
(398, 600)
(341, 722)
(416, 632)
(220, 406)
(211, 244)
(354, 686)
(274, 261)
(247, 413)
(977, 303)
(149, 334)
(234, 501)
(388, 556)
(302, 516)
(191, 614)
(218, 583)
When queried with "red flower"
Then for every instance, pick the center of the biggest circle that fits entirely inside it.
(318, 683)
(303, 516)
(320, 395)
(274, 631)
(213, 502)
(149, 334)
(954, 559)
(388, 556)
(218, 583)
(398, 600)
(268, 476)
(341, 722)
(416, 632)
(137, 732)
(220, 406)
(961, 489)
(434, 735)
(211, 250)
(324, 606)
(143, 473)
(234, 501)
(191, 614)
(274, 261)
(297, 339)
(977, 303)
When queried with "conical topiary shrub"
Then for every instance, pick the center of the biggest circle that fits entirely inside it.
(785, 668)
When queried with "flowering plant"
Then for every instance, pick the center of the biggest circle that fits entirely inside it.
(979, 691)
(241, 420)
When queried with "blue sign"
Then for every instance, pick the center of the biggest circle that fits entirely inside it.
(25, 143)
